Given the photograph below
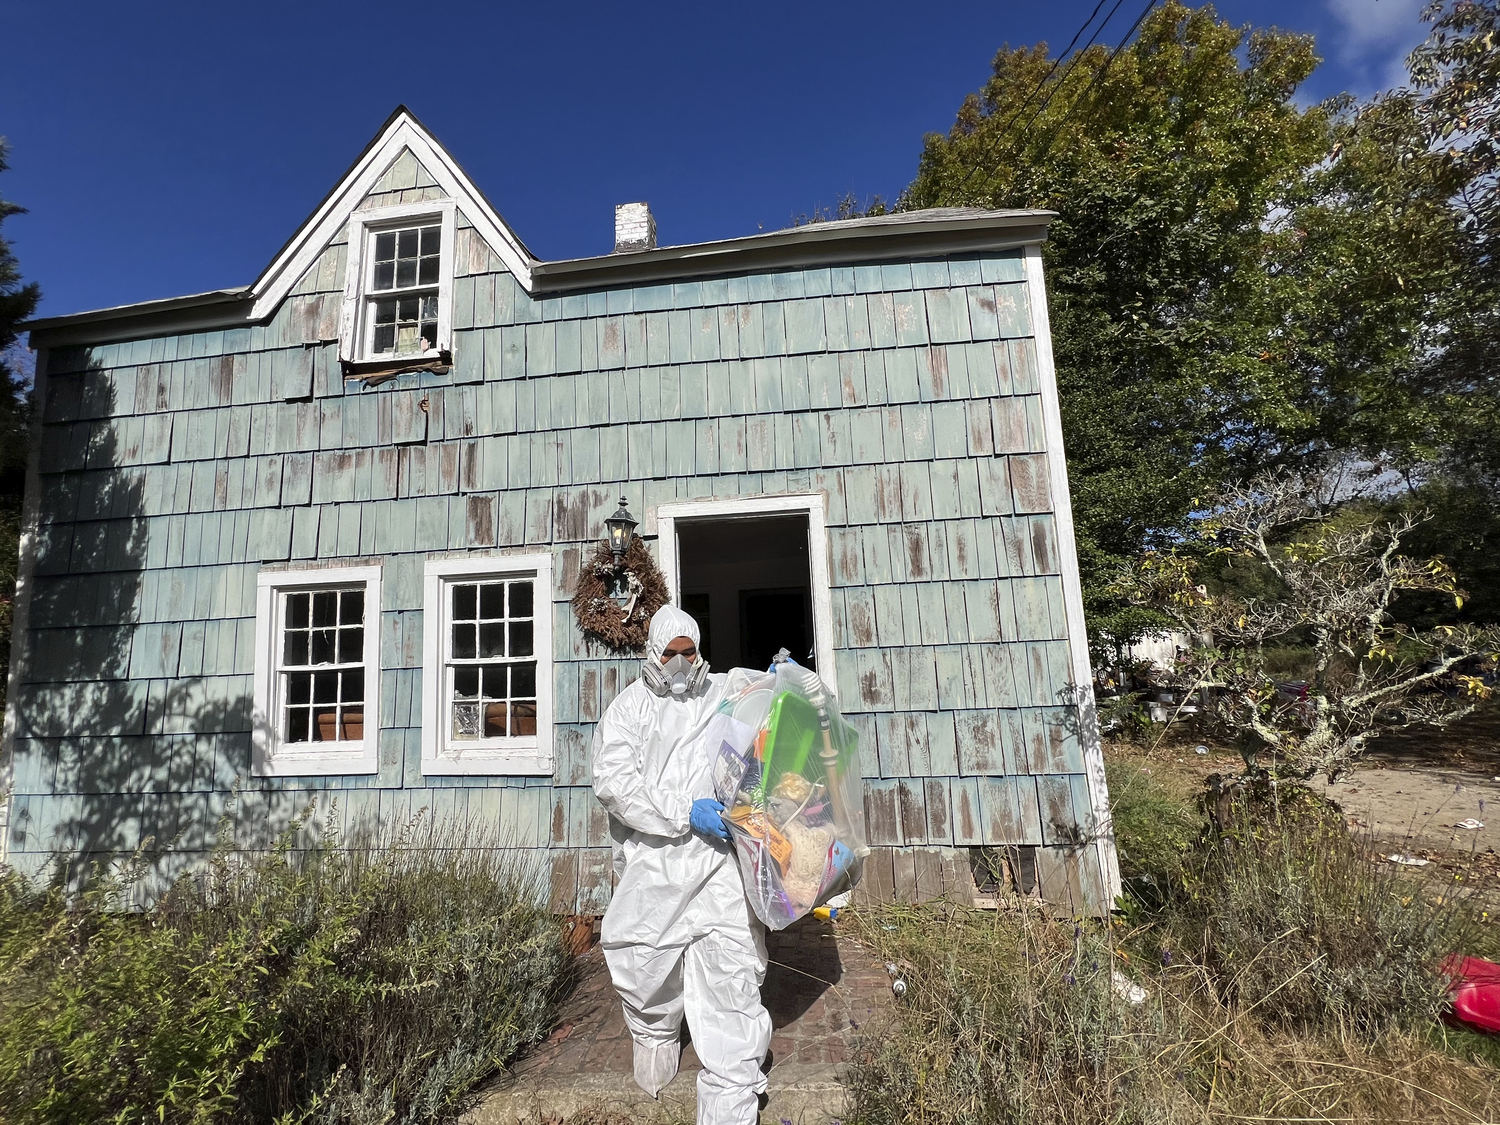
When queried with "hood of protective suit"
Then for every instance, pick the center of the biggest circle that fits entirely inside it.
(667, 624)
(678, 677)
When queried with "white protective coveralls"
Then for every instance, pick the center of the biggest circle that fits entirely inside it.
(679, 935)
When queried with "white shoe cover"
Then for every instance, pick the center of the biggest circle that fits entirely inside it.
(655, 1065)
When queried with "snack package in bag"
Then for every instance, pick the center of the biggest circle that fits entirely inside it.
(787, 771)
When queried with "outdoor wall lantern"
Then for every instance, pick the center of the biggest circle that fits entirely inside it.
(619, 587)
(621, 530)
(621, 527)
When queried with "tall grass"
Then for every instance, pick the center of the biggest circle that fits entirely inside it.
(328, 984)
(1294, 917)
(1283, 976)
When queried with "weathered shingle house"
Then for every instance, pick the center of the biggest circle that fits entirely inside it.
(318, 536)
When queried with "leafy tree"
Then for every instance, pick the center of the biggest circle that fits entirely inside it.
(1235, 285)
(1439, 139)
(17, 302)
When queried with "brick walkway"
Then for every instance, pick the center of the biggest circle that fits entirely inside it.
(820, 989)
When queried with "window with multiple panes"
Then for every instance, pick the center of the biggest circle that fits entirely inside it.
(487, 666)
(491, 666)
(398, 291)
(321, 681)
(405, 268)
(316, 659)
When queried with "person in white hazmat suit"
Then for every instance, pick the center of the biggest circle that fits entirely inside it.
(679, 935)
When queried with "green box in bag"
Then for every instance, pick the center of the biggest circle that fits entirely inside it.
(793, 733)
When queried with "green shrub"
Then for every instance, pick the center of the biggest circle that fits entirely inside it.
(1154, 826)
(1279, 973)
(326, 985)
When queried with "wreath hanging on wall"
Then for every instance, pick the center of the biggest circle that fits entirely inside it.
(620, 625)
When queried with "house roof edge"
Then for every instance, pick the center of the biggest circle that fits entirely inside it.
(905, 234)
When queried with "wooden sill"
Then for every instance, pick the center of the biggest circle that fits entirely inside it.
(374, 372)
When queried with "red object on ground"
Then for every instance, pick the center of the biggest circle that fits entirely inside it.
(1475, 984)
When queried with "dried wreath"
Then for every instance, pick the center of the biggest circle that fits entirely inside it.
(599, 615)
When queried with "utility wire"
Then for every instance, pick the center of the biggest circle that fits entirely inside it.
(1078, 101)
(1061, 82)
(1005, 129)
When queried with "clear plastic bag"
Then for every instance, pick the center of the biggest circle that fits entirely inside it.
(786, 769)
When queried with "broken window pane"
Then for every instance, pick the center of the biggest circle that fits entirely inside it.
(322, 646)
(410, 258)
(325, 607)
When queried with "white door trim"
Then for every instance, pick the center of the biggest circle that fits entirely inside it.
(816, 507)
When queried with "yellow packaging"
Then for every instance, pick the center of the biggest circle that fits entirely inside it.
(753, 821)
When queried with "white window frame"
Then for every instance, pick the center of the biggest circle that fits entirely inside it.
(526, 755)
(814, 505)
(354, 331)
(274, 757)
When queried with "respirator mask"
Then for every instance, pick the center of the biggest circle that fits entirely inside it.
(678, 676)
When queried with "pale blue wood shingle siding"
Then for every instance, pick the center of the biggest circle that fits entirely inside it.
(906, 391)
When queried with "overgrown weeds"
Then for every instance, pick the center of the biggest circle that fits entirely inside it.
(1154, 826)
(1273, 973)
(330, 985)
(1289, 916)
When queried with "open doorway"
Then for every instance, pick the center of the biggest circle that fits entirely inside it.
(753, 571)
(747, 581)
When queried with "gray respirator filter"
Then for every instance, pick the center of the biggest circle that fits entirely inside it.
(678, 676)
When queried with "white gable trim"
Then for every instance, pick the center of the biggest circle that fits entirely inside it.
(320, 229)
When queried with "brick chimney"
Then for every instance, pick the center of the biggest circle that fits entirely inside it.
(635, 228)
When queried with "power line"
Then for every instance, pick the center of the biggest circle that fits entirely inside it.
(1050, 72)
(1052, 93)
(1078, 101)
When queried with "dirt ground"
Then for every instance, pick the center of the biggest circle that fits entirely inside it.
(1409, 794)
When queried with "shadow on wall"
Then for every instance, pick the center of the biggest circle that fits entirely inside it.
(133, 707)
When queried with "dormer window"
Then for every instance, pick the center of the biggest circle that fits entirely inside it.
(403, 298)
(398, 295)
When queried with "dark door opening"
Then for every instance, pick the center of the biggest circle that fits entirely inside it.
(746, 580)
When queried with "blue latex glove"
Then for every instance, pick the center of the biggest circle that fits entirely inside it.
(707, 818)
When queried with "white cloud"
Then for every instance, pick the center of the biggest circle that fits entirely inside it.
(1375, 36)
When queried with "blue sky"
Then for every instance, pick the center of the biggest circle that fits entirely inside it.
(170, 148)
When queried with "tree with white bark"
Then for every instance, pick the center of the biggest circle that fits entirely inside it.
(1293, 563)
